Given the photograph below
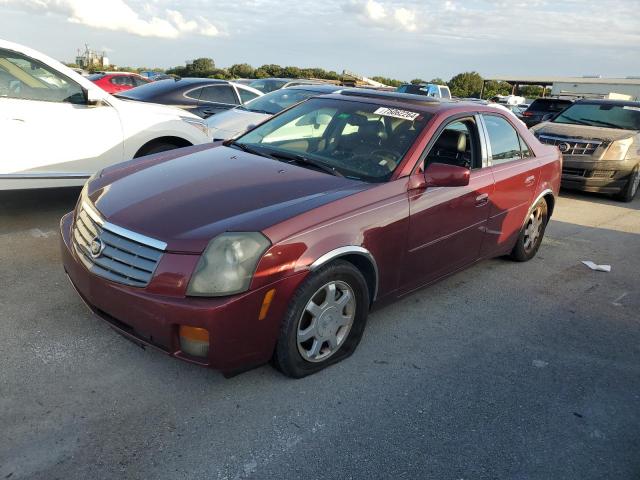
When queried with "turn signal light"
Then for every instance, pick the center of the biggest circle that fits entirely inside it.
(194, 341)
(266, 303)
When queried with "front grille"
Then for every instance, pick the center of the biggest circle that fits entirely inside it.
(119, 258)
(571, 146)
(601, 173)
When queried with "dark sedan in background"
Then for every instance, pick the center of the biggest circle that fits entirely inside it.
(201, 96)
(543, 109)
(276, 245)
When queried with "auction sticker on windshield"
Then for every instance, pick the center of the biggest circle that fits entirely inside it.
(397, 113)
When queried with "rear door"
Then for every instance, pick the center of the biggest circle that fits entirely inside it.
(516, 172)
(216, 98)
(447, 224)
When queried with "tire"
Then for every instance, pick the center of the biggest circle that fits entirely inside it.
(155, 148)
(532, 232)
(629, 191)
(331, 329)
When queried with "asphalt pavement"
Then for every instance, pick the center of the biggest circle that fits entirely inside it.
(504, 371)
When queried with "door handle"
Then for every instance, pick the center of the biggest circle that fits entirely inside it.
(529, 180)
(482, 199)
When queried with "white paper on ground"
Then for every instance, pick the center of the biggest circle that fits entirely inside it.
(597, 268)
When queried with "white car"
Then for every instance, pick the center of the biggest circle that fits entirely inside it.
(57, 128)
(236, 121)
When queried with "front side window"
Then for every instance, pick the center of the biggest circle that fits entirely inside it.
(28, 79)
(355, 139)
(503, 139)
(609, 115)
(456, 145)
(219, 94)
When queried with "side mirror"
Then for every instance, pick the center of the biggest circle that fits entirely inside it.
(442, 175)
(94, 98)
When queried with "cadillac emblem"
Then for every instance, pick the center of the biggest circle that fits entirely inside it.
(564, 147)
(96, 247)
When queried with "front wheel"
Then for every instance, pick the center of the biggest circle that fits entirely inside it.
(325, 320)
(628, 193)
(531, 234)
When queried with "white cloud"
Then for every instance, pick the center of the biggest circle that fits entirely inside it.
(376, 13)
(117, 15)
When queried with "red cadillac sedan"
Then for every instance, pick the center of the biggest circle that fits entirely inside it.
(276, 245)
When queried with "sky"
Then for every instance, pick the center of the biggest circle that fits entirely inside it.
(402, 39)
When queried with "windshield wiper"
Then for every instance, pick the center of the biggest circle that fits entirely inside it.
(607, 124)
(577, 120)
(301, 159)
(246, 148)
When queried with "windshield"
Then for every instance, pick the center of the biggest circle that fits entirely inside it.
(266, 86)
(277, 101)
(355, 139)
(625, 117)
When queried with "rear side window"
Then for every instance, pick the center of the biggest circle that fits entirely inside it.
(246, 95)
(503, 139)
(139, 81)
(123, 80)
(194, 94)
(218, 94)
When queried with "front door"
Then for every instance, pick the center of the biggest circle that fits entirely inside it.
(49, 131)
(446, 226)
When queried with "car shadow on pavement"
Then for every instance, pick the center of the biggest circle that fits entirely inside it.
(601, 198)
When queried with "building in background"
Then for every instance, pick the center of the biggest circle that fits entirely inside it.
(91, 59)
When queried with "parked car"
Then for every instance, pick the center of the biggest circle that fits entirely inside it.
(238, 120)
(427, 89)
(600, 144)
(266, 85)
(201, 96)
(114, 82)
(58, 128)
(276, 245)
(543, 109)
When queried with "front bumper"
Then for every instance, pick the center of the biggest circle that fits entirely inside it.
(608, 176)
(152, 315)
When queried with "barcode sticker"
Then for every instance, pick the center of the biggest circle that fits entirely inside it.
(397, 113)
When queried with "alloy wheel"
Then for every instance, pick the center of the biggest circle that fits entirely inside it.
(533, 229)
(326, 321)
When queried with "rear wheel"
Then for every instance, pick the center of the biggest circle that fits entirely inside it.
(325, 320)
(631, 188)
(531, 234)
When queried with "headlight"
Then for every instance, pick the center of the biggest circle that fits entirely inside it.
(228, 264)
(199, 124)
(618, 149)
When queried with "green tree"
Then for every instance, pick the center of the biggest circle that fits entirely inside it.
(530, 91)
(417, 81)
(438, 81)
(467, 84)
(201, 65)
(272, 70)
(493, 88)
(241, 70)
(388, 81)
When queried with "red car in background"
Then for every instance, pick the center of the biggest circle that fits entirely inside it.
(114, 82)
(277, 244)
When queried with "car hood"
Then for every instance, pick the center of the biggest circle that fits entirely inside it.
(186, 199)
(233, 122)
(582, 131)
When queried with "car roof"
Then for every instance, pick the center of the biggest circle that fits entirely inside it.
(598, 101)
(315, 87)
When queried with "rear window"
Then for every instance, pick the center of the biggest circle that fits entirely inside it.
(541, 105)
